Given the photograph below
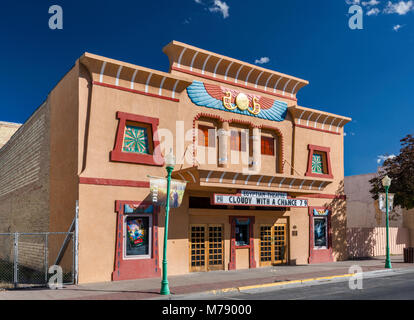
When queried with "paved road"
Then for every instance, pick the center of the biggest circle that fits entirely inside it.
(400, 287)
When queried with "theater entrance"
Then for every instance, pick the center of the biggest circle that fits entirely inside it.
(273, 244)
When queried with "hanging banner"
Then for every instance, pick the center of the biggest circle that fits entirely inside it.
(258, 198)
(158, 188)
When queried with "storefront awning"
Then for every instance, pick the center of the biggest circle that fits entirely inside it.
(203, 178)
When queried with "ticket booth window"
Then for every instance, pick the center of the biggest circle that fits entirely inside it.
(242, 233)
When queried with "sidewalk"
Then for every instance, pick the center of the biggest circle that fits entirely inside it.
(200, 281)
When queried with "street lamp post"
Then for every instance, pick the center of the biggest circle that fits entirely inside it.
(386, 182)
(169, 162)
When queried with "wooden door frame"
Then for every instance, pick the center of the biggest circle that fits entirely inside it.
(272, 232)
(198, 269)
(285, 260)
(266, 263)
(206, 247)
(215, 267)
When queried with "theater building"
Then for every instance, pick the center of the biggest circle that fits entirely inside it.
(264, 174)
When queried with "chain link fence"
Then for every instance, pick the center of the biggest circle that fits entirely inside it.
(25, 258)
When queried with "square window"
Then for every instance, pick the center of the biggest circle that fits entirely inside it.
(238, 140)
(206, 136)
(268, 146)
(136, 138)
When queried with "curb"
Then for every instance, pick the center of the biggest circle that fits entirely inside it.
(275, 284)
(293, 283)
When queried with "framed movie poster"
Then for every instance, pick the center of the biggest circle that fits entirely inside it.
(320, 232)
(138, 236)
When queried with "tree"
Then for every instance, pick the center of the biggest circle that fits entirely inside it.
(401, 170)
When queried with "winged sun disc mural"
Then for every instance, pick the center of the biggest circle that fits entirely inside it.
(225, 99)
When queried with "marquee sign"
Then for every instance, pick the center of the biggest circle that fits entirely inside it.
(258, 198)
(221, 98)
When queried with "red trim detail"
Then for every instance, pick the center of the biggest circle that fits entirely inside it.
(134, 91)
(135, 268)
(114, 182)
(327, 150)
(155, 159)
(231, 83)
(233, 247)
(320, 255)
(317, 129)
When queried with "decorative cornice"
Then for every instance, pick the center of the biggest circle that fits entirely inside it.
(318, 120)
(128, 77)
(195, 61)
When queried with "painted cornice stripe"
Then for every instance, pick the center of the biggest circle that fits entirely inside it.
(102, 72)
(148, 80)
(192, 176)
(181, 56)
(316, 121)
(227, 70)
(330, 127)
(307, 122)
(175, 88)
(161, 85)
(301, 116)
(258, 78)
(277, 82)
(267, 82)
(270, 182)
(237, 74)
(208, 176)
(323, 124)
(117, 75)
(248, 75)
(294, 88)
(339, 125)
(133, 78)
(192, 61)
(215, 69)
(205, 62)
(284, 88)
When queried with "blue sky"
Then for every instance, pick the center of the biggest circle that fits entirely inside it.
(364, 74)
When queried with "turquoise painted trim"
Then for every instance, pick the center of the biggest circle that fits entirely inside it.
(130, 209)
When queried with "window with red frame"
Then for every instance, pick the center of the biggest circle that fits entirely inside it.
(206, 136)
(268, 146)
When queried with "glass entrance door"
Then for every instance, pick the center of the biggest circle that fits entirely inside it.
(273, 244)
